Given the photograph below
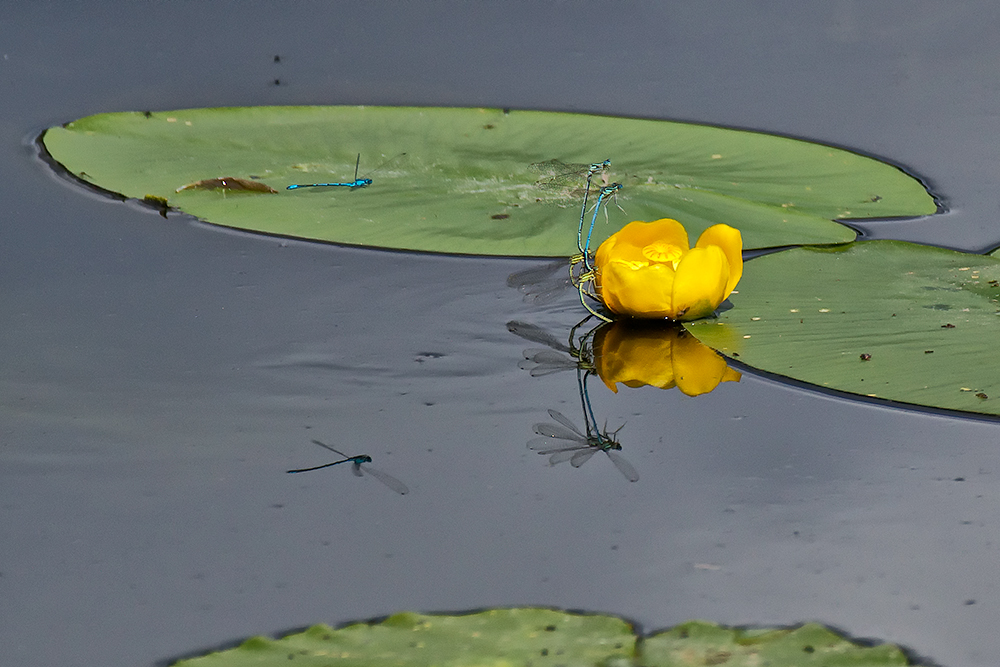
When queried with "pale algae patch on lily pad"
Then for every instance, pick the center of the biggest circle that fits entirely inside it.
(479, 181)
(532, 637)
(885, 319)
(497, 637)
(811, 645)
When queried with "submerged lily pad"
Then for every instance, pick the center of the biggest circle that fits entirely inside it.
(480, 181)
(885, 319)
(539, 637)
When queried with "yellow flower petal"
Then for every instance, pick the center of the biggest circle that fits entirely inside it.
(639, 291)
(700, 284)
(731, 242)
(646, 270)
(633, 237)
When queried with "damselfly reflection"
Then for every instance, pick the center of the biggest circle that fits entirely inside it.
(542, 284)
(583, 447)
(560, 356)
(353, 185)
(578, 446)
(359, 466)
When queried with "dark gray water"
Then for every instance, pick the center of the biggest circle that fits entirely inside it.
(161, 375)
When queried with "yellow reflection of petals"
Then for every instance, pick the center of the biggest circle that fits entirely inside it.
(634, 355)
(637, 353)
(698, 369)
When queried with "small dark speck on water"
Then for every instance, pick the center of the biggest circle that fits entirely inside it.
(277, 82)
(948, 326)
(982, 396)
(959, 479)
(969, 602)
(866, 357)
(550, 628)
(928, 351)
(277, 59)
(499, 216)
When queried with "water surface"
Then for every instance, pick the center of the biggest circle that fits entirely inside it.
(162, 375)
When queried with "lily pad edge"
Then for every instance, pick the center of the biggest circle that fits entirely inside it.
(742, 632)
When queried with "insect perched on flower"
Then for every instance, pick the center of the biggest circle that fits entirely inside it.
(648, 270)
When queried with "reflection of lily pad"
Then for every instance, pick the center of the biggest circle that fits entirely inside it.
(889, 319)
(467, 183)
(540, 637)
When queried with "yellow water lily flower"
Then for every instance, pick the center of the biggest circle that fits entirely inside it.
(648, 270)
(638, 353)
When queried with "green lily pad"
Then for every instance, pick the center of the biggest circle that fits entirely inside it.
(811, 645)
(885, 319)
(478, 181)
(500, 637)
(539, 637)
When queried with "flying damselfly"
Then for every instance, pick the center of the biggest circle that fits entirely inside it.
(359, 466)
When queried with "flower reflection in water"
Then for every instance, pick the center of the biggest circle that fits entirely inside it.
(631, 352)
(660, 354)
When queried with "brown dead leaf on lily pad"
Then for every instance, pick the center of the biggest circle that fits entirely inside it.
(229, 183)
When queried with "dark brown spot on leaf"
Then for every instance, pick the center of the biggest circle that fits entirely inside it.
(229, 183)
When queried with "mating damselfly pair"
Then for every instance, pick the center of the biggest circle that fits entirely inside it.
(582, 274)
